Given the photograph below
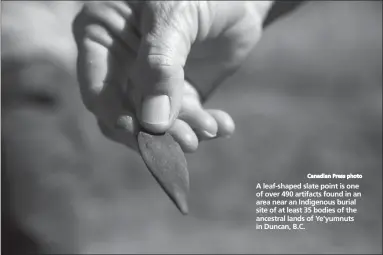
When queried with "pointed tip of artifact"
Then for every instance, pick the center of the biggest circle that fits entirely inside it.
(180, 199)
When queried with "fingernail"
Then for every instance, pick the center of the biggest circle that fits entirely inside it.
(123, 122)
(156, 109)
(210, 135)
(126, 123)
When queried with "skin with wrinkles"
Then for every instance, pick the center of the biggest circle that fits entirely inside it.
(156, 48)
(129, 51)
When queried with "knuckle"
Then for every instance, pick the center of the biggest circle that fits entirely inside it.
(158, 68)
(103, 21)
(88, 21)
(98, 34)
(164, 66)
(158, 61)
(82, 21)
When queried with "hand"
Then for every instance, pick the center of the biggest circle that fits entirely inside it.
(133, 58)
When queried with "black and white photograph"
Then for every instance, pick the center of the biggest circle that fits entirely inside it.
(191, 127)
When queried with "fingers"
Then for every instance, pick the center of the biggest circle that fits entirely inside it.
(168, 30)
(207, 124)
(202, 122)
(225, 122)
(110, 54)
(104, 57)
(184, 135)
(115, 17)
(101, 79)
(188, 133)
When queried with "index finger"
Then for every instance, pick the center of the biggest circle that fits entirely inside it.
(103, 59)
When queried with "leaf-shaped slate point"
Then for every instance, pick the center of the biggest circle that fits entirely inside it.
(166, 161)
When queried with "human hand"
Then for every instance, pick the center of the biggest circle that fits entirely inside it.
(133, 57)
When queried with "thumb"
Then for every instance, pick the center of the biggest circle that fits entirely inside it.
(167, 35)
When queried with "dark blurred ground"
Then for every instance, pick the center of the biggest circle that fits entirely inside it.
(309, 99)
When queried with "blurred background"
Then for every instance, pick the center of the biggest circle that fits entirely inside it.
(308, 100)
